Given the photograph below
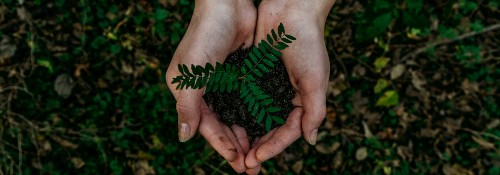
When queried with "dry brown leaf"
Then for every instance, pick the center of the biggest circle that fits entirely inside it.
(361, 153)
(456, 170)
(485, 144)
(77, 162)
(337, 161)
(142, 167)
(7, 49)
(397, 71)
(470, 87)
(327, 149)
(297, 166)
(417, 81)
(368, 133)
(64, 143)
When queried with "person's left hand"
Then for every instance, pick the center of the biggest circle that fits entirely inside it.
(307, 64)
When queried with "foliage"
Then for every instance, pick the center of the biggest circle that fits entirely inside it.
(231, 78)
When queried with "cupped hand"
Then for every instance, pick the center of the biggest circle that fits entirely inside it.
(307, 64)
(217, 28)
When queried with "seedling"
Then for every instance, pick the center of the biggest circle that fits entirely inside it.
(230, 78)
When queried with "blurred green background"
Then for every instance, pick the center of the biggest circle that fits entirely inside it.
(413, 90)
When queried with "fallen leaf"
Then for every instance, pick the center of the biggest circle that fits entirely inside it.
(7, 49)
(361, 153)
(64, 143)
(77, 162)
(64, 85)
(417, 81)
(485, 144)
(142, 167)
(368, 133)
(456, 169)
(297, 166)
(380, 63)
(390, 98)
(381, 85)
(397, 71)
(327, 149)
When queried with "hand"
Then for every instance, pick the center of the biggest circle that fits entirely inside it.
(217, 28)
(308, 68)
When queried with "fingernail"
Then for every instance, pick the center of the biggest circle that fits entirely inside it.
(313, 137)
(184, 132)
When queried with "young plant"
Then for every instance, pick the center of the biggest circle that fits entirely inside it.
(230, 78)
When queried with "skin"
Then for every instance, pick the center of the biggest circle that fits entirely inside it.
(307, 64)
(233, 24)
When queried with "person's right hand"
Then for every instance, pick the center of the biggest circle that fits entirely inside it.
(217, 28)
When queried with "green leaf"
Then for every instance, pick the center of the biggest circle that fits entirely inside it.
(198, 83)
(281, 29)
(263, 68)
(186, 70)
(248, 63)
(256, 52)
(269, 121)
(253, 58)
(271, 57)
(380, 63)
(204, 81)
(181, 70)
(257, 72)
(282, 44)
(262, 113)
(381, 85)
(266, 102)
(216, 87)
(275, 37)
(275, 52)
(280, 47)
(255, 110)
(266, 45)
(218, 77)
(268, 63)
(273, 109)
(209, 68)
(247, 99)
(278, 120)
(389, 99)
(45, 63)
(161, 14)
(250, 104)
(290, 37)
(262, 97)
(286, 40)
(195, 70)
(269, 39)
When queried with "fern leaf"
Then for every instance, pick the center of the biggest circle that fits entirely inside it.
(269, 121)
(273, 109)
(253, 58)
(248, 64)
(278, 120)
(271, 57)
(255, 110)
(267, 102)
(258, 73)
(275, 37)
(262, 113)
(269, 39)
(268, 63)
(281, 29)
(286, 40)
(195, 70)
(251, 103)
(263, 68)
(275, 52)
(290, 37)
(181, 70)
(256, 52)
(186, 70)
(208, 68)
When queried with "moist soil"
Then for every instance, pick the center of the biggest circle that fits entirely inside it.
(231, 108)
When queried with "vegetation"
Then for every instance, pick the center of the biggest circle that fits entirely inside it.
(261, 58)
(413, 90)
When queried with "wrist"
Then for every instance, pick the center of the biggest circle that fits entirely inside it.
(313, 9)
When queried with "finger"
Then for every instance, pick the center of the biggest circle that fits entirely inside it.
(238, 164)
(251, 158)
(253, 171)
(212, 131)
(272, 144)
(242, 137)
(188, 109)
(314, 105)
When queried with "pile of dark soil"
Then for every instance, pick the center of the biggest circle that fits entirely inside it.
(231, 108)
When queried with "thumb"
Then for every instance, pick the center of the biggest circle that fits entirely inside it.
(188, 110)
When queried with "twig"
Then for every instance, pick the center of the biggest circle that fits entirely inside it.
(447, 41)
